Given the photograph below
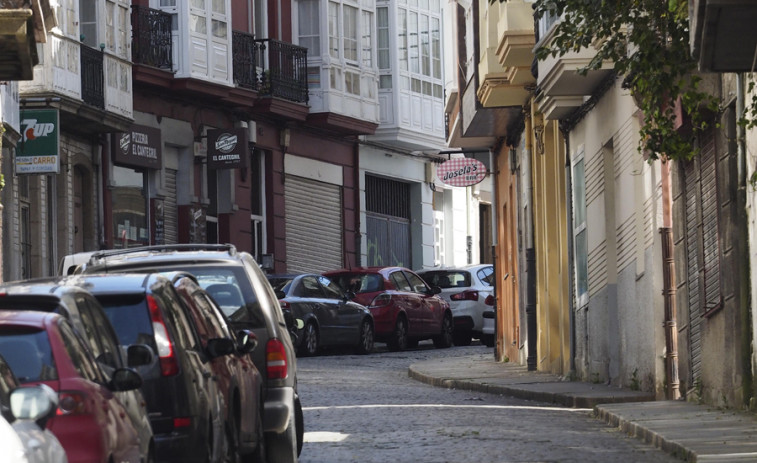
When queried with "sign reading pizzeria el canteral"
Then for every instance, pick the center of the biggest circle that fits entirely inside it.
(461, 172)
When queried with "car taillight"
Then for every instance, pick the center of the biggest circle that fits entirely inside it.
(489, 300)
(182, 422)
(465, 296)
(285, 305)
(275, 359)
(169, 366)
(72, 403)
(381, 300)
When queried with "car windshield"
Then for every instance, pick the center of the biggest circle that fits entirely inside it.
(29, 355)
(360, 282)
(282, 284)
(447, 278)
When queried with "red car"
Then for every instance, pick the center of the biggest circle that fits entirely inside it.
(90, 423)
(405, 309)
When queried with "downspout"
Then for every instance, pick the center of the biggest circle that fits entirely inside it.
(743, 246)
(494, 173)
(530, 250)
(669, 285)
(571, 256)
(358, 211)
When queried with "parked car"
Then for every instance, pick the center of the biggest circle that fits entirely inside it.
(90, 421)
(65, 297)
(405, 309)
(329, 317)
(183, 399)
(239, 380)
(240, 288)
(470, 292)
(25, 411)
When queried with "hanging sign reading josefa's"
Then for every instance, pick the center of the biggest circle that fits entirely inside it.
(37, 152)
(461, 172)
(228, 148)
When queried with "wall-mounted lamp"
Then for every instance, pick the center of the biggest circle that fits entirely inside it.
(102, 47)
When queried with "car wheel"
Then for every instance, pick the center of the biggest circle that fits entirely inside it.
(309, 345)
(462, 339)
(398, 340)
(282, 447)
(299, 421)
(488, 340)
(232, 440)
(365, 345)
(444, 340)
(258, 455)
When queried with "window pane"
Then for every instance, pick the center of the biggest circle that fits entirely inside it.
(582, 280)
(334, 29)
(579, 192)
(219, 6)
(436, 48)
(425, 46)
(314, 77)
(219, 29)
(308, 27)
(402, 41)
(385, 81)
(197, 24)
(412, 32)
(350, 33)
(367, 38)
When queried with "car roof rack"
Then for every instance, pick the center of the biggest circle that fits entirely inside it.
(95, 257)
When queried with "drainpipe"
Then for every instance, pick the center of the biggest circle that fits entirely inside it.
(494, 175)
(743, 240)
(530, 250)
(571, 256)
(358, 211)
(669, 286)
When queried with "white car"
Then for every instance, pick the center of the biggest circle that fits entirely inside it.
(470, 293)
(24, 411)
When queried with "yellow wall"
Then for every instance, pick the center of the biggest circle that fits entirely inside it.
(550, 241)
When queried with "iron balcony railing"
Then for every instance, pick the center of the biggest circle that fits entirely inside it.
(92, 77)
(151, 37)
(271, 67)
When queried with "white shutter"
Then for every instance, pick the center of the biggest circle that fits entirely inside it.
(313, 225)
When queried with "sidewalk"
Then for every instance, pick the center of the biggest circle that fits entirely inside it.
(695, 433)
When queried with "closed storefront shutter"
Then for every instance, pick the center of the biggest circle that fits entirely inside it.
(313, 225)
(170, 211)
(387, 222)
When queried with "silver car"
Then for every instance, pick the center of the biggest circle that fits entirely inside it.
(470, 292)
(24, 413)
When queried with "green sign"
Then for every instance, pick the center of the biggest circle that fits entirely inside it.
(37, 152)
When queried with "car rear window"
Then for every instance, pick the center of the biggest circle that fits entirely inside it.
(29, 355)
(359, 282)
(130, 318)
(447, 278)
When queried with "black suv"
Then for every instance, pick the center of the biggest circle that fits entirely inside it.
(183, 400)
(238, 285)
(65, 297)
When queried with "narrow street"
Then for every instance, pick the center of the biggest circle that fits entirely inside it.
(366, 409)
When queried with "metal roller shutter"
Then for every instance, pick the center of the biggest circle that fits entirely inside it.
(313, 225)
(170, 208)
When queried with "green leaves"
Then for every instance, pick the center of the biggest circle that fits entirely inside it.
(647, 42)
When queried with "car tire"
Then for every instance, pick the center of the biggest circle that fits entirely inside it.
(309, 344)
(258, 455)
(487, 340)
(232, 439)
(299, 421)
(462, 339)
(365, 343)
(282, 447)
(444, 340)
(398, 341)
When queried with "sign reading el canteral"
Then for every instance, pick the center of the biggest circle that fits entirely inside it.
(228, 148)
(37, 152)
(139, 147)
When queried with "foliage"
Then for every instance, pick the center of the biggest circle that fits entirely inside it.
(647, 43)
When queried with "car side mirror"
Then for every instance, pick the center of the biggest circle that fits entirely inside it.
(218, 347)
(138, 355)
(434, 290)
(125, 379)
(280, 294)
(38, 403)
(247, 341)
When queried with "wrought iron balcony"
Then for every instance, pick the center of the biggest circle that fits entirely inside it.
(271, 67)
(92, 77)
(151, 37)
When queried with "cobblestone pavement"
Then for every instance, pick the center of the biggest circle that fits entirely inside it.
(366, 409)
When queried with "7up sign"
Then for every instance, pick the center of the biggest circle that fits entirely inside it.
(37, 151)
